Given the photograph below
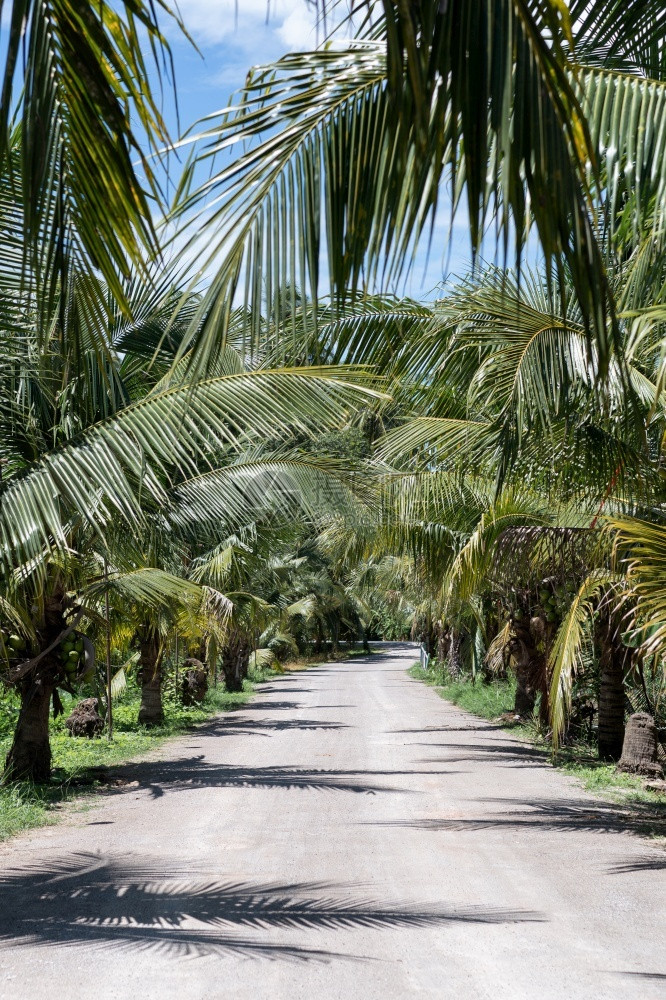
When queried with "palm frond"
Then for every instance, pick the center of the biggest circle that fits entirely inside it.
(640, 552)
(145, 586)
(86, 109)
(115, 466)
(566, 656)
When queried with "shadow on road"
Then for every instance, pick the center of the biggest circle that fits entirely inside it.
(495, 752)
(262, 727)
(187, 773)
(548, 814)
(106, 900)
(647, 863)
(482, 727)
(656, 976)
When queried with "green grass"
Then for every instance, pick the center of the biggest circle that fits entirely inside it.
(77, 762)
(489, 701)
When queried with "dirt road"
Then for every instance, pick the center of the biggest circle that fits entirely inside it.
(348, 835)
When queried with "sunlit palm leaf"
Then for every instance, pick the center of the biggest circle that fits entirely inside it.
(566, 657)
(640, 548)
(86, 108)
(116, 464)
(145, 586)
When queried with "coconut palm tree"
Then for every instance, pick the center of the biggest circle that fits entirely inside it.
(101, 437)
(533, 416)
(528, 111)
(76, 83)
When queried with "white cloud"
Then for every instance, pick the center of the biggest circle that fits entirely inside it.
(249, 24)
(299, 30)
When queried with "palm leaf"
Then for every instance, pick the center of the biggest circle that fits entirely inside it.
(640, 552)
(86, 109)
(145, 586)
(121, 462)
(566, 656)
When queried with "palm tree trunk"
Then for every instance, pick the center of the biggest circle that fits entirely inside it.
(528, 666)
(454, 661)
(29, 758)
(335, 637)
(613, 661)
(442, 642)
(151, 712)
(236, 659)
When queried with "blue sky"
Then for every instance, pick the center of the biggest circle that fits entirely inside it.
(233, 38)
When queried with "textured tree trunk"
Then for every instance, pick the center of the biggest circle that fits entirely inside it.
(236, 659)
(640, 747)
(528, 665)
(613, 660)
(151, 712)
(29, 758)
(442, 642)
(454, 661)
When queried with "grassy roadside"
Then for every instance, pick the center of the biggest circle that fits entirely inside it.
(76, 761)
(490, 701)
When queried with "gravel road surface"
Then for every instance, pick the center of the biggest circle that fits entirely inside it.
(347, 835)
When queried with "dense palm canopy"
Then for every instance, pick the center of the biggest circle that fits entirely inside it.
(288, 453)
(532, 114)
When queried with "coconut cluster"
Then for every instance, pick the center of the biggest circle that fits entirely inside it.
(553, 603)
(72, 654)
(14, 645)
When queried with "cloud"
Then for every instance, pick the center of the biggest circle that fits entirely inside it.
(299, 30)
(249, 25)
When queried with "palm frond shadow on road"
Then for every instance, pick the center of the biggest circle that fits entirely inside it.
(654, 976)
(190, 773)
(546, 815)
(105, 900)
(654, 862)
(263, 727)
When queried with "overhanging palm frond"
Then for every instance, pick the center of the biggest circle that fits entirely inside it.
(439, 439)
(629, 34)
(348, 128)
(114, 466)
(145, 586)
(86, 108)
(640, 550)
(249, 489)
(626, 116)
(472, 567)
(566, 657)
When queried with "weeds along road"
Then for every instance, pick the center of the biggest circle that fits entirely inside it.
(347, 835)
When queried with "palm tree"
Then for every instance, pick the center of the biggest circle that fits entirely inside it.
(350, 150)
(97, 437)
(76, 84)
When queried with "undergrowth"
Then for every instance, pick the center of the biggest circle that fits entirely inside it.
(490, 701)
